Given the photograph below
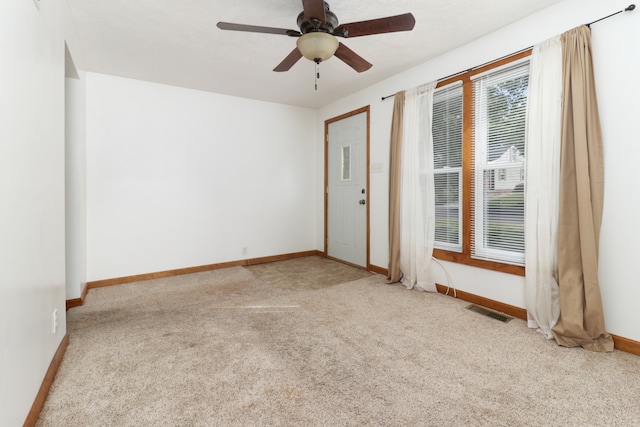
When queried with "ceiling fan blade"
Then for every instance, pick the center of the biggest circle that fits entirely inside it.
(289, 61)
(257, 29)
(352, 59)
(314, 9)
(390, 24)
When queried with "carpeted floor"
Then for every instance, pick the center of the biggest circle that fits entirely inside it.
(268, 346)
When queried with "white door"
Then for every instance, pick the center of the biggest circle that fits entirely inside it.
(347, 189)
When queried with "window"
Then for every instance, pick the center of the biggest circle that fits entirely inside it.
(447, 150)
(499, 118)
(479, 153)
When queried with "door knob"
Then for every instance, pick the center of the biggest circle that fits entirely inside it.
(362, 202)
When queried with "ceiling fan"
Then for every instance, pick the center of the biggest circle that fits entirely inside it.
(318, 31)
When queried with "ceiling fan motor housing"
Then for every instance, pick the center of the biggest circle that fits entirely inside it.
(315, 24)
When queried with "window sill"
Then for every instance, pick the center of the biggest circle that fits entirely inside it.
(461, 258)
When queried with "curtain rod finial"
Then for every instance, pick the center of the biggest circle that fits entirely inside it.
(630, 8)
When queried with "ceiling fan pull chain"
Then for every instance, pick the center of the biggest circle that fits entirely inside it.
(317, 73)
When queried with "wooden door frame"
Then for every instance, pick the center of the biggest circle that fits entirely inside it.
(366, 109)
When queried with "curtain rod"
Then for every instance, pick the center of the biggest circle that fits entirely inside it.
(627, 9)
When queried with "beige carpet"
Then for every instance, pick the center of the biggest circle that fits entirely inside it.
(254, 347)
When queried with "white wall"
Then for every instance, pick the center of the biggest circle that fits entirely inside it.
(615, 44)
(75, 186)
(179, 178)
(619, 112)
(32, 222)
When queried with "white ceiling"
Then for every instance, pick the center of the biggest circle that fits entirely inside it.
(176, 42)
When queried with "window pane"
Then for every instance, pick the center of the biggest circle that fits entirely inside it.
(506, 117)
(500, 107)
(448, 213)
(447, 127)
(447, 151)
(504, 213)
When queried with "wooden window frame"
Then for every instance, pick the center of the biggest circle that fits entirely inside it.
(464, 257)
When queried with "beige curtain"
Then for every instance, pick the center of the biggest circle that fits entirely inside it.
(581, 321)
(395, 173)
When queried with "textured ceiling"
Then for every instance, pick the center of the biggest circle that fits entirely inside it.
(176, 42)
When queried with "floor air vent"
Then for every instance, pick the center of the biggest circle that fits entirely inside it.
(493, 314)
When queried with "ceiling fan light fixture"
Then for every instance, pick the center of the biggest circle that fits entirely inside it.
(317, 46)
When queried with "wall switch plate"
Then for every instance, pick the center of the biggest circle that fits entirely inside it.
(376, 168)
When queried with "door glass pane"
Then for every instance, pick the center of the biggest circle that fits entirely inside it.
(346, 163)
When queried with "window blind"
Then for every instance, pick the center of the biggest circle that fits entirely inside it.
(499, 120)
(447, 151)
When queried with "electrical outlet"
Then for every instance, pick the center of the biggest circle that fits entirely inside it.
(54, 321)
(244, 251)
